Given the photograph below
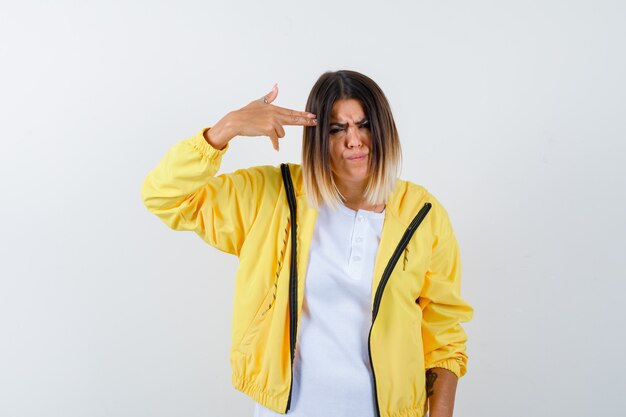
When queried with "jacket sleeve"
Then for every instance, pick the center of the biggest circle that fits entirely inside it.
(442, 306)
(185, 194)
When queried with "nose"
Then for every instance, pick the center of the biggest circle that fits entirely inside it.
(353, 137)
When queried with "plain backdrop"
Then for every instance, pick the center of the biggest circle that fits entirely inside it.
(512, 113)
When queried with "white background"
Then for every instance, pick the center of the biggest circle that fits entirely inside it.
(511, 113)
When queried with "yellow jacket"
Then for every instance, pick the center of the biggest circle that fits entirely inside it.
(417, 308)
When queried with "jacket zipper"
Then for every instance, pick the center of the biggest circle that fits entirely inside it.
(293, 278)
(293, 274)
(383, 282)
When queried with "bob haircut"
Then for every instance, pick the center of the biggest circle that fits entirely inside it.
(385, 153)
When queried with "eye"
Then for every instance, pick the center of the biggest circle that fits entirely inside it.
(365, 125)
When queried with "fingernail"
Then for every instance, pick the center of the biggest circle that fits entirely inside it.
(312, 115)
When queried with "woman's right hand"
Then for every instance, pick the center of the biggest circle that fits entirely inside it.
(258, 119)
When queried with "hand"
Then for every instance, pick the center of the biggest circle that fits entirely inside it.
(265, 119)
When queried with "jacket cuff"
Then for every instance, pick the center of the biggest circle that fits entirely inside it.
(451, 365)
(204, 148)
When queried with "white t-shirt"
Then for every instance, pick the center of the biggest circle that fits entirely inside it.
(332, 373)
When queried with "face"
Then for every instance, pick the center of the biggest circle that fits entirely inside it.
(350, 142)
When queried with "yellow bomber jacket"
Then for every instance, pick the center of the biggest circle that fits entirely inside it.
(245, 213)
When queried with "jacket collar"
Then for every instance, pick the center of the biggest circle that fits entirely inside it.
(403, 204)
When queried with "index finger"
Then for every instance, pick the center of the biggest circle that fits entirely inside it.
(294, 113)
(297, 120)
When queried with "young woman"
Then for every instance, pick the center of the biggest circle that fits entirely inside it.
(347, 295)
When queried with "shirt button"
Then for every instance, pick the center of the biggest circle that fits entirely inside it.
(358, 240)
(360, 218)
(356, 258)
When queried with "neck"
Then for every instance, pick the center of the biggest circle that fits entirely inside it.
(353, 194)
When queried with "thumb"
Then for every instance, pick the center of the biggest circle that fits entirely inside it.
(271, 96)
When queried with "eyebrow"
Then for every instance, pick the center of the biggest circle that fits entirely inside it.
(344, 124)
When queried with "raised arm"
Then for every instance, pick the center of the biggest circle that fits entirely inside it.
(184, 192)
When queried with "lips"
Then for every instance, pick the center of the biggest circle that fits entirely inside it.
(357, 157)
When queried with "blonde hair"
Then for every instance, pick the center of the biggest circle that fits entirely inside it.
(385, 153)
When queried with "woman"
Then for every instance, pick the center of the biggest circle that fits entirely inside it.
(375, 331)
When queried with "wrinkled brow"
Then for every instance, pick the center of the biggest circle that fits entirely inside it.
(344, 124)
